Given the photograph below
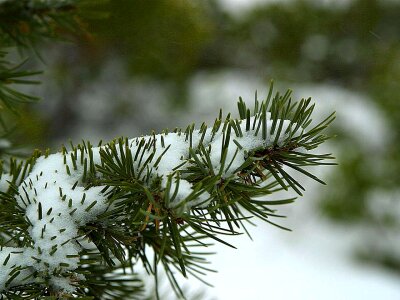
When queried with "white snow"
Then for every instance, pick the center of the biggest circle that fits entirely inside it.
(55, 209)
(250, 140)
(62, 284)
(9, 258)
(179, 191)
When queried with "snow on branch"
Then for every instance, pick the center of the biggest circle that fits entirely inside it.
(151, 183)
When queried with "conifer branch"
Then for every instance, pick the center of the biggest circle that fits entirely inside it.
(87, 212)
(11, 76)
(23, 25)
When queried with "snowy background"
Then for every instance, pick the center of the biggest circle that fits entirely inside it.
(314, 261)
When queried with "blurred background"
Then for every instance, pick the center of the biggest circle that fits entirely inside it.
(150, 65)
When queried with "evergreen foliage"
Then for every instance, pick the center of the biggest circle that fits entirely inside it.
(76, 223)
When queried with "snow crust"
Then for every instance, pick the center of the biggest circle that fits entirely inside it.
(56, 204)
(250, 141)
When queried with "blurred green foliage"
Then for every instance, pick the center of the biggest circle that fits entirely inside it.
(162, 40)
(156, 38)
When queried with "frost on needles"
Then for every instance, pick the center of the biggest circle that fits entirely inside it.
(72, 220)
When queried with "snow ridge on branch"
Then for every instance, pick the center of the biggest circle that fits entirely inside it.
(154, 183)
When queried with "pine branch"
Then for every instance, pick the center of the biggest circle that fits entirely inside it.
(25, 24)
(11, 76)
(90, 211)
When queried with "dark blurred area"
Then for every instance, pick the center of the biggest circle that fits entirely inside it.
(132, 71)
